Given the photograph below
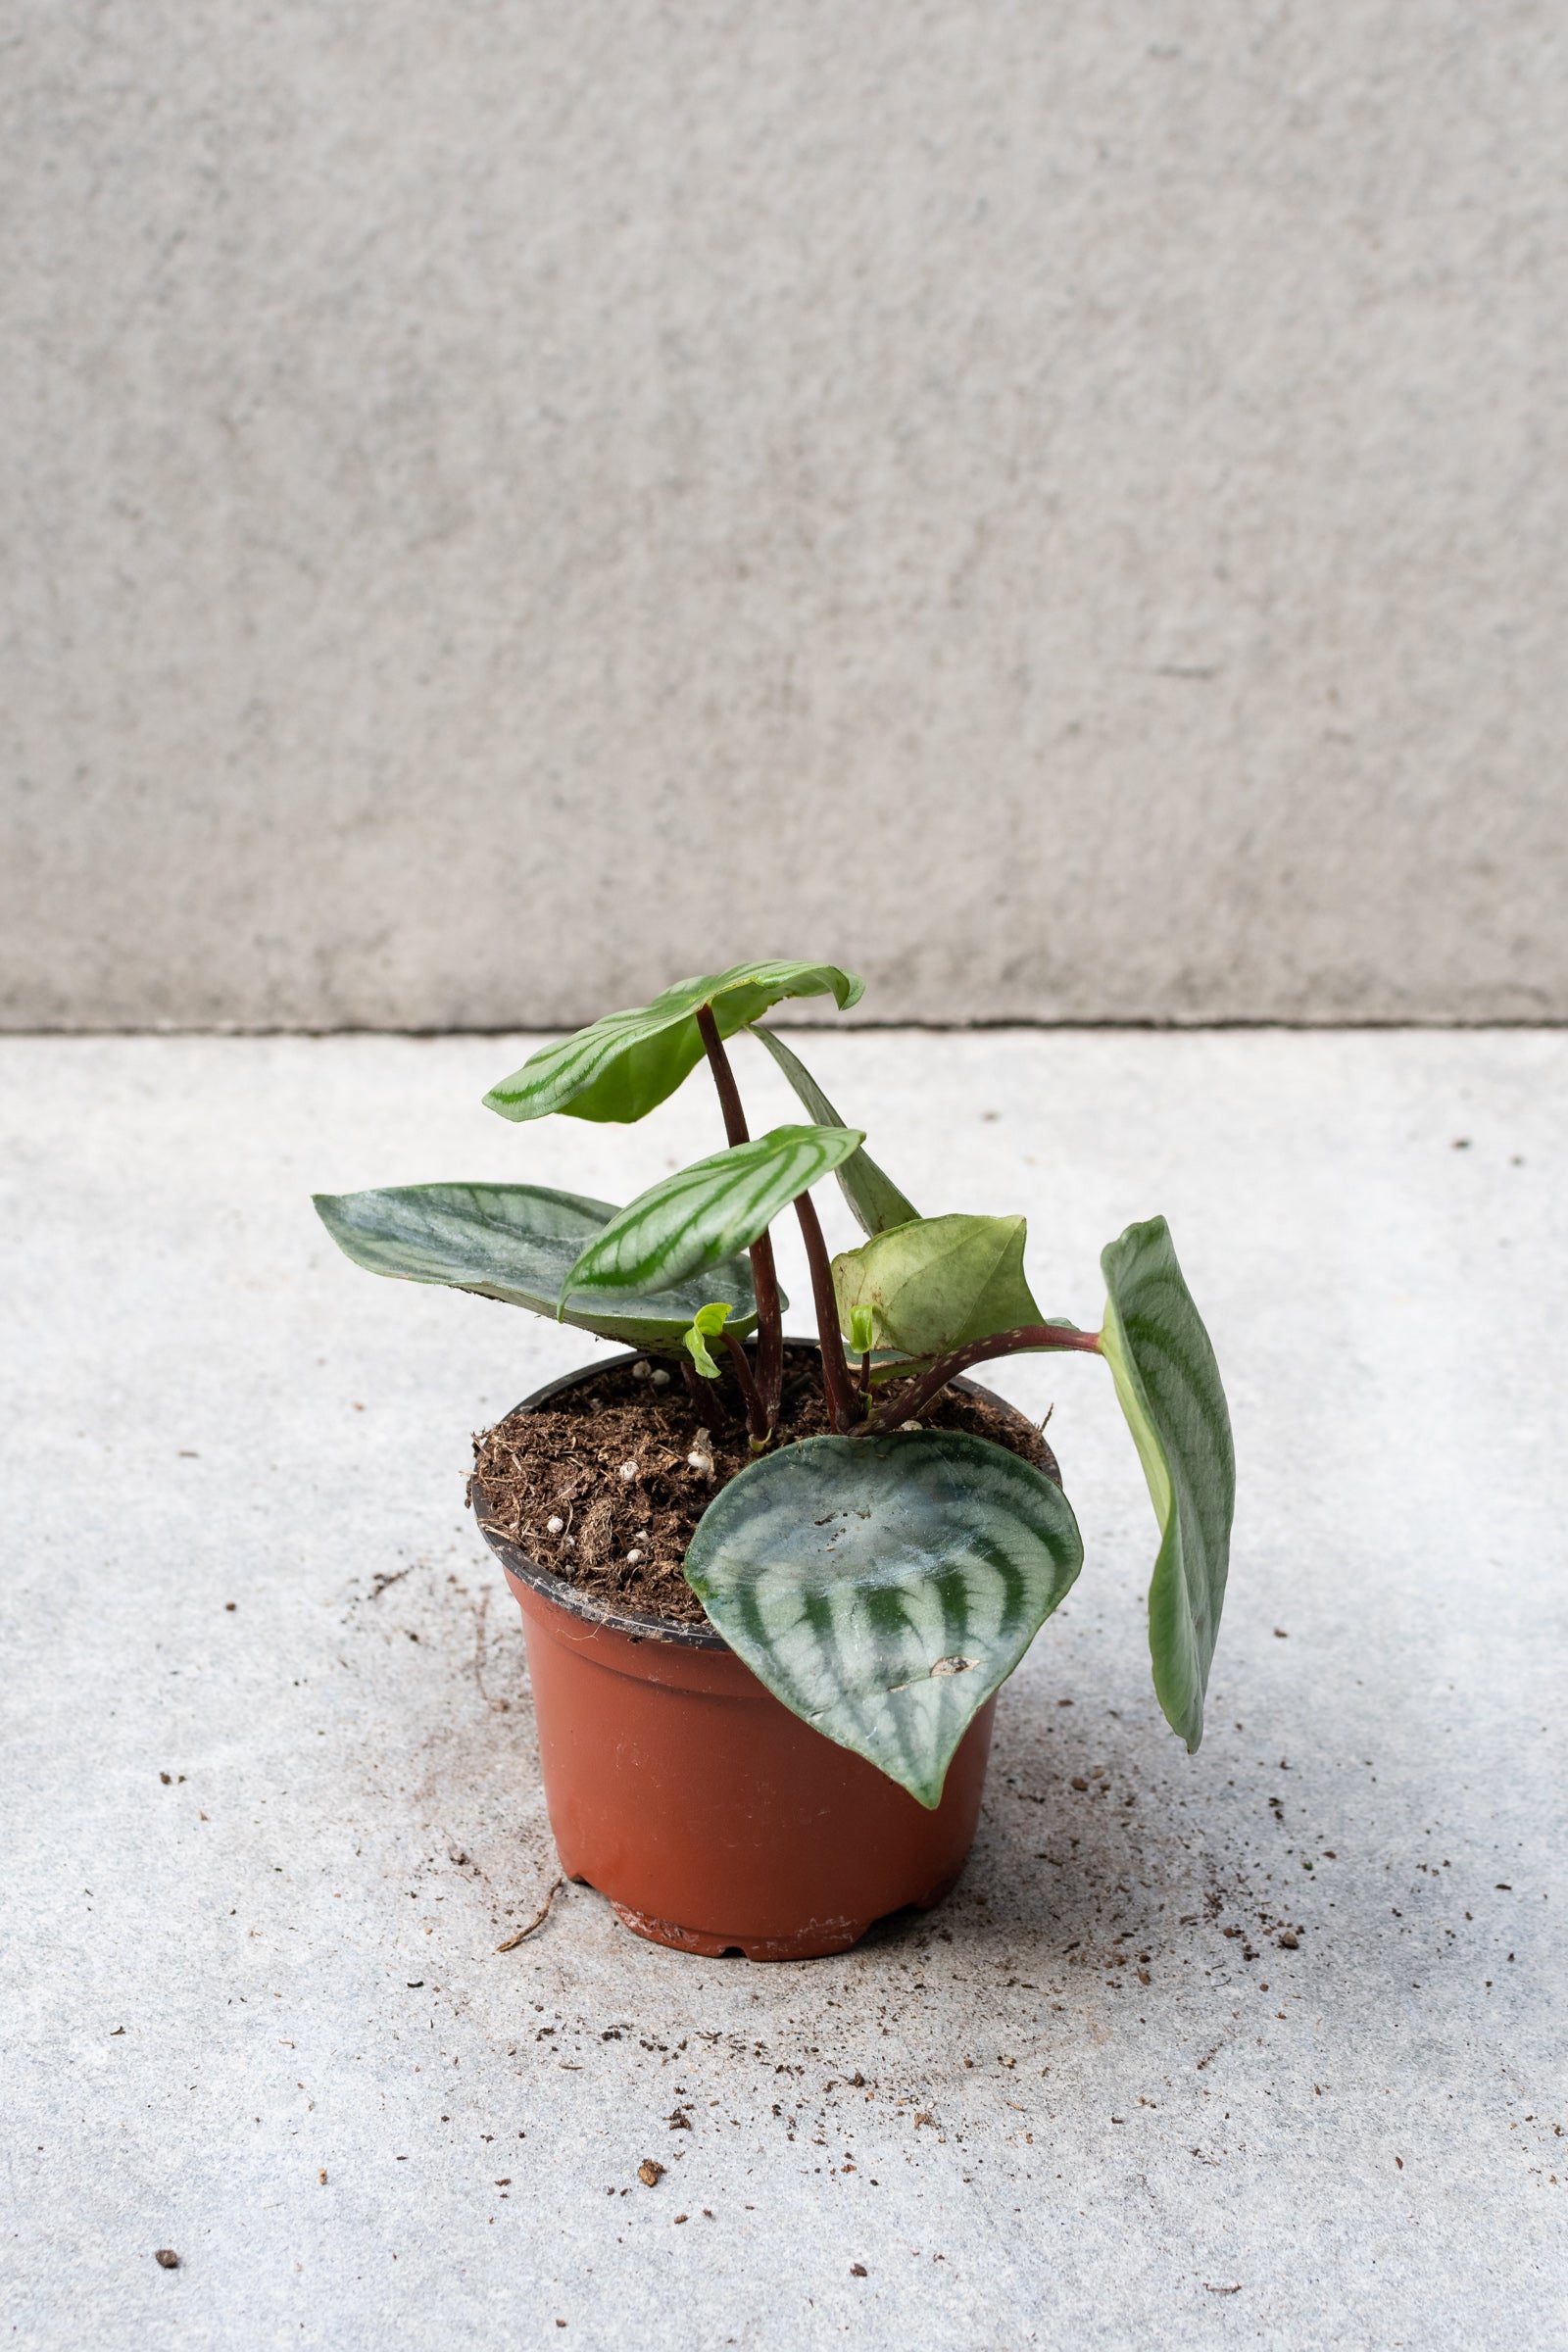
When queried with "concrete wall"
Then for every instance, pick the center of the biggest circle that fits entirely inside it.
(1063, 506)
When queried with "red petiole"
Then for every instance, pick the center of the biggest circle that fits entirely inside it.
(769, 1379)
(910, 1402)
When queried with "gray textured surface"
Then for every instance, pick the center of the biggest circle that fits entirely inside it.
(1065, 509)
(273, 1966)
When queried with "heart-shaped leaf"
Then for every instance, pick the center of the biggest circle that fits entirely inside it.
(876, 1200)
(706, 1211)
(625, 1066)
(937, 1283)
(518, 1243)
(1169, 1388)
(883, 1588)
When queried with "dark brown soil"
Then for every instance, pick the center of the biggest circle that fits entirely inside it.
(610, 1463)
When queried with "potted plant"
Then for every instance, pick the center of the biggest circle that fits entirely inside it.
(770, 1588)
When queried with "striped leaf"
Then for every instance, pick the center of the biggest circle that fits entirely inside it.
(876, 1200)
(625, 1066)
(1169, 1388)
(937, 1283)
(882, 1588)
(709, 1210)
(518, 1243)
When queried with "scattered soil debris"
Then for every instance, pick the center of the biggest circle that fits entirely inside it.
(649, 2173)
(167, 2259)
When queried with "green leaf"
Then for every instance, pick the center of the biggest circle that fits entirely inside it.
(938, 1281)
(883, 1588)
(709, 1210)
(1169, 1388)
(863, 1330)
(518, 1243)
(874, 1199)
(625, 1066)
(706, 1324)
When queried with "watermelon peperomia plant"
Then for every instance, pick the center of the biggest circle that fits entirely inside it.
(882, 1581)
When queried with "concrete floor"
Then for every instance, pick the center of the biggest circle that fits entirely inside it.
(272, 1803)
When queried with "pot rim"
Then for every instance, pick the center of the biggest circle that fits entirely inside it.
(565, 1596)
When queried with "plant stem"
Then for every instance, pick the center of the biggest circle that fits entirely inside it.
(764, 1274)
(729, 1094)
(835, 1371)
(756, 1420)
(910, 1402)
(708, 1410)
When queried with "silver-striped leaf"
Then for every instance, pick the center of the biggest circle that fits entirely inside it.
(876, 1200)
(1169, 1388)
(624, 1066)
(937, 1283)
(706, 1211)
(882, 1588)
(518, 1243)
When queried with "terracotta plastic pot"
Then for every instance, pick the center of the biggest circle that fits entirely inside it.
(714, 1818)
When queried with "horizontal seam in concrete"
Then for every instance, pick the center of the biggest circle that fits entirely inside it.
(1434, 1026)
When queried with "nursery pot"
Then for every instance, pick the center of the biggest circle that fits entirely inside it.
(714, 1818)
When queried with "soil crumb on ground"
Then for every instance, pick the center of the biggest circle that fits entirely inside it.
(605, 1473)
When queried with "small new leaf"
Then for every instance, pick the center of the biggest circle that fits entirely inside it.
(622, 1066)
(706, 1324)
(876, 1200)
(708, 1211)
(882, 1588)
(1168, 1386)
(937, 1283)
(862, 1329)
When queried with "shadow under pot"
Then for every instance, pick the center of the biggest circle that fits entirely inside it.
(679, 1787)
